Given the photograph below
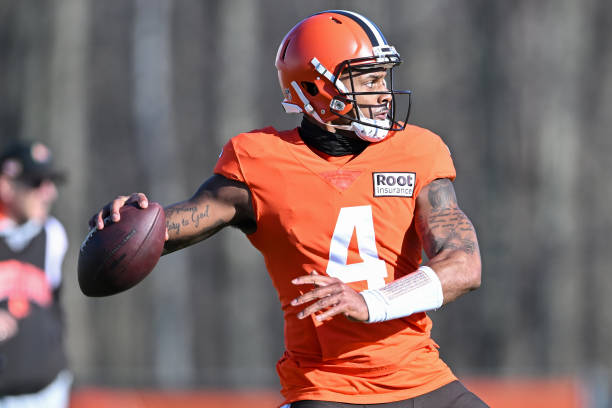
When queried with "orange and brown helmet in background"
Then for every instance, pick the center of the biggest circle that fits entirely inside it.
(321, 48)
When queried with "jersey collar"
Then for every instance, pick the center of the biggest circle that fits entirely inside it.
(333, 144)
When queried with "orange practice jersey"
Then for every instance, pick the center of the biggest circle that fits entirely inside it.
(354, 221)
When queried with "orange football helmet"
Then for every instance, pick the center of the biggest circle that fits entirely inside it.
(317, 51)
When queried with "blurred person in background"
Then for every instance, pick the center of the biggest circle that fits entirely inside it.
(341, 208)
(33, 364)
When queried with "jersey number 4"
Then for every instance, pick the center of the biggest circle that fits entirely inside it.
(372, 269)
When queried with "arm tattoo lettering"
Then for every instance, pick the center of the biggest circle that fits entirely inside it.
(186, 216)
(445, 226)
(173, 227)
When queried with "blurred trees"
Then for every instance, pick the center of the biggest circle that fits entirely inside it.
(141, 95)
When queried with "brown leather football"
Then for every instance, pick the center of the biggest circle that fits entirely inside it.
(120, 255)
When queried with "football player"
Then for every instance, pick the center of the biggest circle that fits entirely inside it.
(341, 208)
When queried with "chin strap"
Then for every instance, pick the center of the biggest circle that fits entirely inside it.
(365, 132)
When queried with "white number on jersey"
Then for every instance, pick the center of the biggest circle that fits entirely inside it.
(372, 269)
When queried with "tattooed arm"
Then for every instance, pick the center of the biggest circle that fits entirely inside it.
(218, 203)
(449, 239)
(450, 242)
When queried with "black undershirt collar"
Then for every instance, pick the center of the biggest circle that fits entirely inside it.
(334, 144)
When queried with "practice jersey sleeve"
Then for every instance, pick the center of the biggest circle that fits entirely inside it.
(436, 157)
(443, 166)
(228, 164)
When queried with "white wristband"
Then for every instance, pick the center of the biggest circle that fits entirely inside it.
(416, 292)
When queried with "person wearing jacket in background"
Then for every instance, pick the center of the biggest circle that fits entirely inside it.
(33, 363)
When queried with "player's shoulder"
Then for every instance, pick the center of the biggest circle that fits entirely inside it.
(412, 132)
(256, 135)
(417, 139)
(261, 140)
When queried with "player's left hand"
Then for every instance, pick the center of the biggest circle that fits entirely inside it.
(334, 297)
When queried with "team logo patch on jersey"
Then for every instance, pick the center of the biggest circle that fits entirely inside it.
(394, 184)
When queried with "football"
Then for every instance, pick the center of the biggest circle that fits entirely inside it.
(123, 253)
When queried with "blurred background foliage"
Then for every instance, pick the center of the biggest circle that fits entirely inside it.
(140, 95)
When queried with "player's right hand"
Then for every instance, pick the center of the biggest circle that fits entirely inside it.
(112, 209)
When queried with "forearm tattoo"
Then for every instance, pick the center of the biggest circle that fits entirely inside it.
(178, 217)
(445, 226)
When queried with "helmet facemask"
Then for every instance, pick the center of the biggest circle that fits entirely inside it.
(366, 126)
(344, 103)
